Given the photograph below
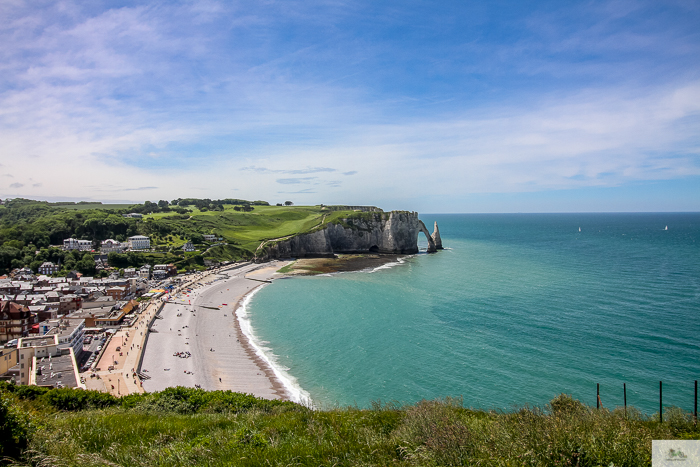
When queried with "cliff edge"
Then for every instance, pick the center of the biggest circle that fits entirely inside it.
(394, 232)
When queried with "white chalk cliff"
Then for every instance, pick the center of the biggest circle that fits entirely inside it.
(394, 232)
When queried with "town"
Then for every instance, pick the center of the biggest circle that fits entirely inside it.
(55, 329)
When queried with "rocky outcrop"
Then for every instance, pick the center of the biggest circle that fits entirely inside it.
(394, 232)
(436, 237)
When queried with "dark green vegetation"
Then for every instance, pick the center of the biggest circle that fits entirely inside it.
(184, 427)
(28, 226)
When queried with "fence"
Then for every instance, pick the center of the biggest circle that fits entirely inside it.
(661, 404)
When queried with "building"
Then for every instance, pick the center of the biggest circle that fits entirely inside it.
(209, 238)
(71, 333)
(69, 303)
(145, 271)
(188, 246)
(130, 272)
(8, 359)
(139, 242)
(161, 271)
(117, 293)
(112, 246)
(74, 244)
(44, 362)
(15, 320)
(133, 215)
(48, 268)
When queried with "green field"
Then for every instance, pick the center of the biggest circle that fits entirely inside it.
(248, 229)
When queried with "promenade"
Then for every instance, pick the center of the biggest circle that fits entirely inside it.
(131, 341)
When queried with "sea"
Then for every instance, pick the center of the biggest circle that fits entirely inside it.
(517, 309)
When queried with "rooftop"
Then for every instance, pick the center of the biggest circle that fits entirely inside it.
(56, 371)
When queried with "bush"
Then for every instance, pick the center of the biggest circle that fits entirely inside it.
(69, 399)
(15, 427)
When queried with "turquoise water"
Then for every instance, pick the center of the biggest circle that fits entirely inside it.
(519, 309)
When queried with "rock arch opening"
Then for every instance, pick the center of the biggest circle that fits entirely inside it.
(431, 244)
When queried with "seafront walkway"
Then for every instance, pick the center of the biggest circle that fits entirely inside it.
(115, 371)
(116, 368)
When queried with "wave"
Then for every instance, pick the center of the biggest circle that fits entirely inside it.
(290, 383)
(398, 262)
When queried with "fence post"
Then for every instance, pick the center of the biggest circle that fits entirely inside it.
(695, 412)
(624, 391)
(661, 406)
(597, 395)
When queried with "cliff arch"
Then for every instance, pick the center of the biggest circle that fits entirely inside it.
(431, 244)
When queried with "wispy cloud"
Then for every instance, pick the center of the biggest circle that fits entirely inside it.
(308, 170)
(296, 181)
(466, 100)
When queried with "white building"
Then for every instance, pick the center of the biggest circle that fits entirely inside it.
(75, 244)
(145, 271)
(44, 362)
(139, 242)
(112, 246)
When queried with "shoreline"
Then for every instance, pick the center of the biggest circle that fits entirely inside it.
(366, 262)
(246, 342)
(215, 361)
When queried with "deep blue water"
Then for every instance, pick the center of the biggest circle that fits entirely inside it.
(520, 308)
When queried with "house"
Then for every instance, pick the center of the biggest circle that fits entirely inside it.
(48, 268)
(133, 215)
(130, 272)
(68, 303)
(188, 246)
(139, 242)
(112, 246)
(74, 244)
(15, 321)
(117, 293)
(161, 271)
(145, 271)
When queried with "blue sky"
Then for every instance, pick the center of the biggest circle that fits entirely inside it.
(501, 106)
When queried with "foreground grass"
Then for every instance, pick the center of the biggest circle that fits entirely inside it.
(185, 427)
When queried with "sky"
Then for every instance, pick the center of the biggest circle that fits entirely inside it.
(436, 107)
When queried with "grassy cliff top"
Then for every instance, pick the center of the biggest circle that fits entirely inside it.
(186, 427)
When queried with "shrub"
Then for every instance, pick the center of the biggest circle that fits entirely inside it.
(15, 427)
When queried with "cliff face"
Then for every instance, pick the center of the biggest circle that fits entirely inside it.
(395, 232)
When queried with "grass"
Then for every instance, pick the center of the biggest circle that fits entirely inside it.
(185, 427)
(249, 229)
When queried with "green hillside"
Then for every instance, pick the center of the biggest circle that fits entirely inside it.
(188, 427)
(29, 226)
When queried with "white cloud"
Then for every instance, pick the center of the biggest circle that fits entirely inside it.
(135, 102)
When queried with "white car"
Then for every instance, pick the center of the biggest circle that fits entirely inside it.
(99, 347)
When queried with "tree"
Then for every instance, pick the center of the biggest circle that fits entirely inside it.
(288, 203)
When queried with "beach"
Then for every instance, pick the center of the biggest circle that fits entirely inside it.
(197, 340)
